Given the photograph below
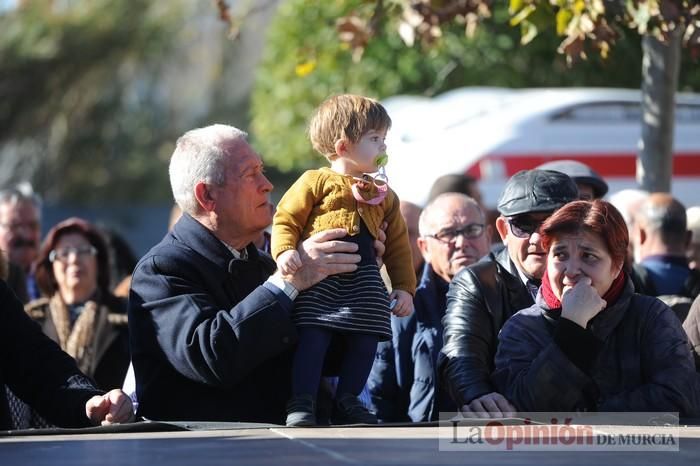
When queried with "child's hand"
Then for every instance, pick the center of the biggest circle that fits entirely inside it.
(289, 262)
(404, 303)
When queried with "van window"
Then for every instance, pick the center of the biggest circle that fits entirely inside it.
(623, 112)
(608, 112)
(688, 113)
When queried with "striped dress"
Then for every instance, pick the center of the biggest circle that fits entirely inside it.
(355, 302)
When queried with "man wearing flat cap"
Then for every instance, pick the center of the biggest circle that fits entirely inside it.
(590, 184)
(483, 296)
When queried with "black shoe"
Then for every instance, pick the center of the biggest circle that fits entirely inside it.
(301, 411)
(350, 410)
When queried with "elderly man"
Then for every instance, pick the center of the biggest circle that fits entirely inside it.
(590, 184)
(209, 321)
(403, 383)
(661, 239)
(20, 236)
(482, 297)
(693, 253)
(628, 201)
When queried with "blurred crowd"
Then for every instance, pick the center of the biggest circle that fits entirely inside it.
(565, 297)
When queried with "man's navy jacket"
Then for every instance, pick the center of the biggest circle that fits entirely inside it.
(209, 342)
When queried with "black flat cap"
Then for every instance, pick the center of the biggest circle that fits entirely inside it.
(536, 191)
(580, 173)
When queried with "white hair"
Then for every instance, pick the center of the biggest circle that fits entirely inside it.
(693, 214)
(20, 194)
(199, 157)
(425, 222)
(627, 201)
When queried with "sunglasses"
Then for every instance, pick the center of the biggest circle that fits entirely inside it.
(523, 227)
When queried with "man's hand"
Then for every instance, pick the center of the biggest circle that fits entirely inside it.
(114, 407)
(323, 255)
(404, 303)
(491, 405)
(581, 302)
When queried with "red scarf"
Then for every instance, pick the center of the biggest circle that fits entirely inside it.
(610, 296)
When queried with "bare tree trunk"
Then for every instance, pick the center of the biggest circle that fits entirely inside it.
(660, 66)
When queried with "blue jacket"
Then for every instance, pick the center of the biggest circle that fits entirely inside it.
(403, 382)
(37, 371)
(634, 356)
(209, 342)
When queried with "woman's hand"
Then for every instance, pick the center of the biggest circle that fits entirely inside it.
(581, 302)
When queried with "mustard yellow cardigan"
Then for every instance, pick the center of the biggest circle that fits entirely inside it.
(322, 199)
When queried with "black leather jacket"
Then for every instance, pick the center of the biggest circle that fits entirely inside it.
(480, 299)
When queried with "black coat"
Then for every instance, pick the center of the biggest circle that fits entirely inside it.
(208, 341)
(480, 299)
(37, 371)
(633, 356)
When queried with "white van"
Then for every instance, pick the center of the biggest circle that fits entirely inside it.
(504, 131)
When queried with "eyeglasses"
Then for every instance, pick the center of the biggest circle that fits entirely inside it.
(16, 226)
(380, 180)
(471, 231)
(63, 254)
(523, 227)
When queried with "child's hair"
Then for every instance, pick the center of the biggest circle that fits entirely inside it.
(345, 116)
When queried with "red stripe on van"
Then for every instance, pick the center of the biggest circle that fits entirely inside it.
(607, 165)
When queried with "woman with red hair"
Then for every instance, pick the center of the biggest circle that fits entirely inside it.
(78, 311)
(589, 343)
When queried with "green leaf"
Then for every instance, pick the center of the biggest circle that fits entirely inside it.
(514, 6)
(563, 18)
(529, 32)
(522, 15)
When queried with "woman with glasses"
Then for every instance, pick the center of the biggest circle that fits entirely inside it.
(589, 343)
(77, 309)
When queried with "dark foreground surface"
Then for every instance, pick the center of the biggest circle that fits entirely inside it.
(399, 445)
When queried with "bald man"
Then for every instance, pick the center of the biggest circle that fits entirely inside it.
(628, 202)
(693, 253)
(402, 385)
(661, 239)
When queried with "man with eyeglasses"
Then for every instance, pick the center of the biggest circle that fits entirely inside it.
(402, 385)
(20, 236)
(482, 297)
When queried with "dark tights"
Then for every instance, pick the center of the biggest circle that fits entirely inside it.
(311, 353)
